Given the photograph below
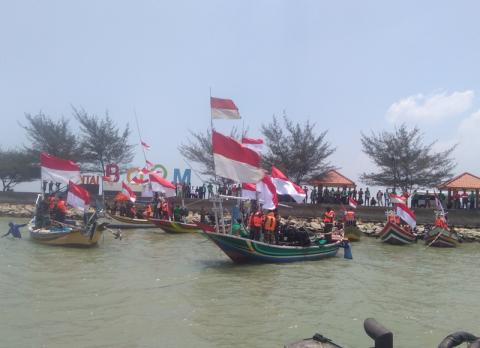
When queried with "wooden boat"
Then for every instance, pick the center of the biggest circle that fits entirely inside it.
(242, 250)
(64, 235)
(395, 234)
(128, 222)
(441, 238)
(175, 226)
(353, 233)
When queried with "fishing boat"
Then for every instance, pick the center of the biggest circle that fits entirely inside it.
(67, 235)
(395, 234)
(441, 238)
(130, 223)
(175, 227)
(243, 250)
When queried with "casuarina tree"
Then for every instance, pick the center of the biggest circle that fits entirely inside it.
(103, 142)
(52, 136)
(297, 150)
(404, 160)
(16, 167)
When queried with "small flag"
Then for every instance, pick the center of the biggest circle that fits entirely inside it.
(254, 144)
(223, 108)
(397, 199)
(145, 145)
(148, 164)
(78, 197)
(127, 191)
(353, 203)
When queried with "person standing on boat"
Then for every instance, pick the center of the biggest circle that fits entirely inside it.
(61, 210)
(328, 219)
(269, 227)
(14, 230)
(256, 229)
(50, 187)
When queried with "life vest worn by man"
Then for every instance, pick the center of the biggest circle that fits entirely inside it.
(440, 222)
(328, 219)
(269, 227)
(257, 225)
(350, 217)
(61, 210)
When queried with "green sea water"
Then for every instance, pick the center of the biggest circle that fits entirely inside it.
(152, 289)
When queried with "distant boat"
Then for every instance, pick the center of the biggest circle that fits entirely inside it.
(130, 223)
(395, 234)
(441, 238)
(175, 227)
(242, 250)
(65, 235)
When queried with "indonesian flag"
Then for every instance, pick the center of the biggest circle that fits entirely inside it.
(224, 108)
(162, 185)
(148, 164)
(78, 197)
(254, 144)
(406, 215)
(353, 203)
(127, 191)
(249, 191)
(59, 170)
(235, 161)
(397, 199)
(284, 186)
(267, 193)
(138, 181)
(145, 145)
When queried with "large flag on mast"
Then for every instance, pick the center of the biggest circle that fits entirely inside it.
(285, 186)
(235, 161)
(406, 214)
(267, 193)
(58, 170)
(224, 108)
(249, 191)
(162, 185)
(254, 144)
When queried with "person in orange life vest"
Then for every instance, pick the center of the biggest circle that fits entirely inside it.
(52, 202)
(147, 213)
(440, 222)
(269, 225)
(164, 208)
(61, 210)
(251, 225)
(328, 219)
(257, 224)
(350, 217)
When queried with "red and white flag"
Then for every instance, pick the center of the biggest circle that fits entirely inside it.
(249, 191)
(397, 199)
(78, 197)
(285, 186)
(59, 170)
(406, 215)
(107, 178)
(145, 145)
(254, 144)
(353, 203)
(162, 185)
(127, 191)
(224, 108)
(235, 161)
(267, 193)
(148, 164)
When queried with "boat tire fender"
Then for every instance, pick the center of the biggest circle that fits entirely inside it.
(382, 337)
(458, 338)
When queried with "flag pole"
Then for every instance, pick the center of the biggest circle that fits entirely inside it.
(139, 135)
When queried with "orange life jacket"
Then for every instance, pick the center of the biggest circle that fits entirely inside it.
(270, 222)
(328, 217)
(148, 211)
(350, 215)
(257, 220)
(391, 218)
(61, 206)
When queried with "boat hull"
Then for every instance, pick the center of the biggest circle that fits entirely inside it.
(353, 233)
(445, 240)
(70, 237)
(242, 250)
(175, 227)
(395, 235)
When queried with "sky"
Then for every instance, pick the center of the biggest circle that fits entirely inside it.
(348, 66)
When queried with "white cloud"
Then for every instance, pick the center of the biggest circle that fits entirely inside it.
(470, 126)
(426, 109)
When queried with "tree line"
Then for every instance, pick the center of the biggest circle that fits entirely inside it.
(402, 158)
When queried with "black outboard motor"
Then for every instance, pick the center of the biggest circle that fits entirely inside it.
(382, 337)
(457, 338)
